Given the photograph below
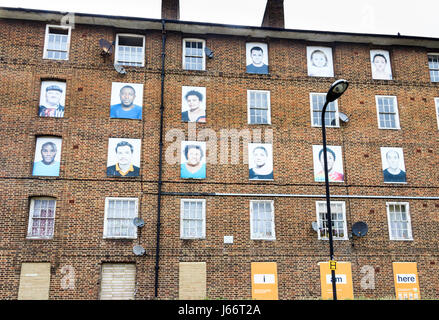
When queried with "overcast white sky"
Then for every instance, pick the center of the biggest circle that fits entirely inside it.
(414, 18)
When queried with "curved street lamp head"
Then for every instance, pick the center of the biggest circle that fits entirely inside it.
(336, 90)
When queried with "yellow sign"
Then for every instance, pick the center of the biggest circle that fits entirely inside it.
(406, 281)
(343, 280)
(332, 265)
(264, 280)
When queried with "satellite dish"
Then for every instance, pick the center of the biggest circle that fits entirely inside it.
(120, 69)
(106, 47)
(138, 222)
(315, 227)
(208, 52)
(359, 229)
(139, 250)
(343, 117)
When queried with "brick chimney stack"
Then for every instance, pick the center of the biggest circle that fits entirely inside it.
(274, 14)
(171, 9)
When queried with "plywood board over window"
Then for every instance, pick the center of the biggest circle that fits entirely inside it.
(118, 281)
(192, 281)
(34, 281)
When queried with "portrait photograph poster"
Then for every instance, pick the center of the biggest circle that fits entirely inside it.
(116, 99)
(335, 166)
(319, 61)
(200, 92)
(39, 168)
(260, 161)
(112, 158)
(56, 98)
(393, 166)
(259, 62)
(380, 64)
(194, 165)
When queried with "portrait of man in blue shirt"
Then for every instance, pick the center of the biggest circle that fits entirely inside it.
(257, 64)
(126, 109)
(47, 166)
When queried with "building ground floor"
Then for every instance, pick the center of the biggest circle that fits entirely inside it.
(216, 274)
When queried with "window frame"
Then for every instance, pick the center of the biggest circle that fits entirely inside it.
(436, 106)
(116, 49)
(436, 54)
(319, 222)
(31, 219)
(408, 221)
(202, 55)
(203, 224)
(273, 228)
(249, 91)
(107, 202)
(337, 117)
(397, 120)
(46, 41)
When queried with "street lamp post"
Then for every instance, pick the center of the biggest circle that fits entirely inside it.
(334, 92)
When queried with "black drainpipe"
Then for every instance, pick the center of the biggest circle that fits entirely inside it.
(159, 186)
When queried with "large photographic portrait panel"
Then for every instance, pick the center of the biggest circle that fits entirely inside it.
(319, 61)
(256, 57)
(193, 160)
(47, 156)
(126, 100)
(123, 157)
(393, 166)
(335, 163)
(52, 99)
(380, 64)
(260, 161)
(193, 104)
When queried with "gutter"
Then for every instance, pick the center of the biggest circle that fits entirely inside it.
(159, 184)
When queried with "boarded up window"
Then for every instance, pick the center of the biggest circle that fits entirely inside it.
(118, 281)
(34, 281)
(192, 281)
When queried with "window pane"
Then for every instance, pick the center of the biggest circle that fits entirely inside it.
(120, 214)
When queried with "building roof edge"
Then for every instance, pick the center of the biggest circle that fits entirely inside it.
(216, 28)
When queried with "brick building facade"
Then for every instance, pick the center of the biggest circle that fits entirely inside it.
(76, 253)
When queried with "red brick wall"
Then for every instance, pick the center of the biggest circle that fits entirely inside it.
(82, 186)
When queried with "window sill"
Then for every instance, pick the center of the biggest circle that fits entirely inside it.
(119, 238)
(38, 238)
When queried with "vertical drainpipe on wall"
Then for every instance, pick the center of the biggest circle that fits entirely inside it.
(159, 186)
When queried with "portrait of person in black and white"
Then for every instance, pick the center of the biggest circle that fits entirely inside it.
(123, 157)
(257, 58)
(319, 62)
(393, 165)
(193, 107)
(260, 161)
(380, 63)
(52, 99)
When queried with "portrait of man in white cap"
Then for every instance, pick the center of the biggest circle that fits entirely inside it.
(52, 99)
